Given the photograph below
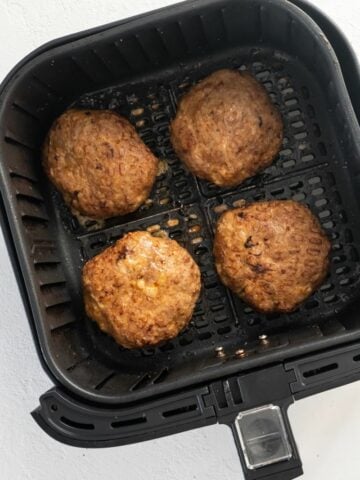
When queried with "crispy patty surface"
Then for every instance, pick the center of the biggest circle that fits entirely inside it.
(98, 162)
(226, 129)
(273, 254)
(142, 290)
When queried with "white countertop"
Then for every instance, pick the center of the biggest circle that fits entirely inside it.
(326, 426)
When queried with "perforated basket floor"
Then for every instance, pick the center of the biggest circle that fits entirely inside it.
(186, 209)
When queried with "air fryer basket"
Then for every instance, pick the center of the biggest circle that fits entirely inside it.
(140, 68)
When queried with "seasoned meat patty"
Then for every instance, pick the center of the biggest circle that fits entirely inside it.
(226, 129)
(99, 163)
(142, 290)
(272, 254)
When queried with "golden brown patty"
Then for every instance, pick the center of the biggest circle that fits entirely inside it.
(99, 163)
(226, 129)
(272, 254)
(142, 290)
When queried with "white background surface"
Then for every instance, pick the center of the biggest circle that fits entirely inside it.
(326, 427)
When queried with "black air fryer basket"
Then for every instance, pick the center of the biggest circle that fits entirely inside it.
(232, 365)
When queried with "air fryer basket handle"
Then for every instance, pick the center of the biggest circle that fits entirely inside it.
(276, 449)
(256, 420)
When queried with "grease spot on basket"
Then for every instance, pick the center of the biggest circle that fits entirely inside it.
(136, 112)
(172, 222)
(220, 208)
(162, 167)
(87, 222)
(161, 234)
(239, 203)
(153, 228)
(197, 240)
(195, 229)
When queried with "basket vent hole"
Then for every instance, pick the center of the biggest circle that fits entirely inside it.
(296, 185)
(307, 158)
(197, 240)
(300, 135)
(259, 196)
(263, 75)
(318, 371)
(327, 287)
(294, 113)
(136, 112)
(201, 251)
(222, 317)
(283, 82)
(129, 422)
(97, 245)
(357, 358)
(53, 407)
(299, 196)
(195, 229)
(235, 390)
(320, 203)
(331, 298)
(334, 235)
(268, 85)
(77, 425)
(147, 352)
(291, 102)
(314, 180)
(176, 234)
(103, 382)
(298, 124)
(289, 163)
(325, 214)
(328, 225)
(278, 191)
(248, 310)
(317, 191)
(217, 308)
(339, 258)
(286, 152)
(287, 91)
(204, 335)
(180, 410)
(141, 383)
(161, 377)
(160, 117)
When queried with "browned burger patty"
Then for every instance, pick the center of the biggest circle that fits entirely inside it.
(272, 254)
(142, 290)
(99, 163)
(226, 129)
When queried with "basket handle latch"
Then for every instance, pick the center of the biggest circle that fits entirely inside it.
(265, 443)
